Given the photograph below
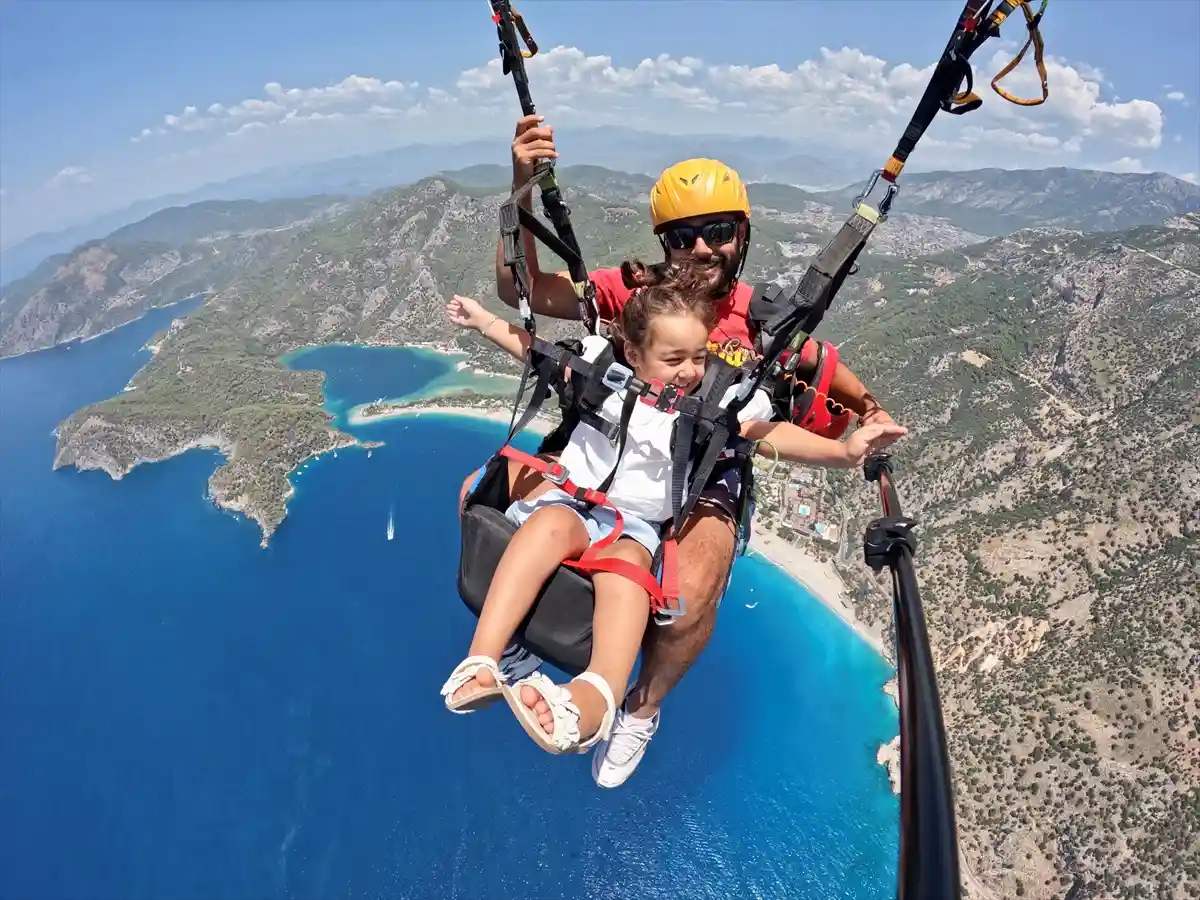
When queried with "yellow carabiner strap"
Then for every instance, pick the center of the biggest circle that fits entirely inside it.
(1032, 22)
(525, 35)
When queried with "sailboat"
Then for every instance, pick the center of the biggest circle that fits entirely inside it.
(391, 531)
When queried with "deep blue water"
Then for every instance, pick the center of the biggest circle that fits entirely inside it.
(186, 715)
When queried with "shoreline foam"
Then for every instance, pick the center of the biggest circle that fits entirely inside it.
(819, 578)
(501, 416)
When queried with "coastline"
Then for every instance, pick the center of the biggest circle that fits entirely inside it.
(502, 416)
(820, 578)
(823, 582)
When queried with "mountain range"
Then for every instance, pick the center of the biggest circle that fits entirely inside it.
(625, 149)
(147, 262)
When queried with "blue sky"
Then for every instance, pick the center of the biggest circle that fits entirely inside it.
(80, 81)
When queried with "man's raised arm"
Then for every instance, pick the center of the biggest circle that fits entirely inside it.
(846, 388)
(551, 293)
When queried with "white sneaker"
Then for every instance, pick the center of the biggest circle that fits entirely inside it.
(614, 760)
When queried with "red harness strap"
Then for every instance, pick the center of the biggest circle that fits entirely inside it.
(662, 596)
(825, 416)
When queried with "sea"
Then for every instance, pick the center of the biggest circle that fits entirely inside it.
(184, 714)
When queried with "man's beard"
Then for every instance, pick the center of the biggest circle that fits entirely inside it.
(721, 272)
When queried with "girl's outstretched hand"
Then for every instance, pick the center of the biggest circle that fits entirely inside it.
(870, 439)
(467, 313)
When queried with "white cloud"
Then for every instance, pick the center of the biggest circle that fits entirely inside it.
(1190, 177)
(68, 176)
(843, 103)
(1125, 164)
(844, 99)
(284, 105)
(1176, 95)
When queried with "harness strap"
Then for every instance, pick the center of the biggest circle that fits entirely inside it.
(590, 560)
(547, 368)
(802, 312)
(1035, 40)
(511, 29)
(977, 22)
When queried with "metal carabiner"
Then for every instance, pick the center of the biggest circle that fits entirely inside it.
(886, 203)
(519, 23)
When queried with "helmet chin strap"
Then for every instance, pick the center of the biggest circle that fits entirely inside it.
(742, 257)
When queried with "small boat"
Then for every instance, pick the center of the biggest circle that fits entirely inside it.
(391, 529)
(752, 605)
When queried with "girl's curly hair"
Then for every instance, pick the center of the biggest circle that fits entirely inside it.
(671, 288)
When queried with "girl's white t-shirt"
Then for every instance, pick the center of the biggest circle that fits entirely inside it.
(642, 484)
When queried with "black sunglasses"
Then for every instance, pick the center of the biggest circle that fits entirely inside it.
(683, 237)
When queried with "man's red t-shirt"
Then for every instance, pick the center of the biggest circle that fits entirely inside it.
(730, 339)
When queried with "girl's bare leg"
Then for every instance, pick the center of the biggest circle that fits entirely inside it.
(550, 535)
(619, 621)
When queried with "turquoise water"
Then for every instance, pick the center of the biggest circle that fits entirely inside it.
(359, 375)
(187, 715)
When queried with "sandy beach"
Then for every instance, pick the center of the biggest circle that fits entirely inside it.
(819, 577)
(539, 425)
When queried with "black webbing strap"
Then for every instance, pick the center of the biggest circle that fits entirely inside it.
(952, 69)
(514, 217)
(593, 419)
(631, 401)
(977, 22)
(511, 29)
(547, 368)
(714, 428)
(803, 311)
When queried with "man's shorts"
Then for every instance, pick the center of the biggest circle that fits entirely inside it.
(723, 492)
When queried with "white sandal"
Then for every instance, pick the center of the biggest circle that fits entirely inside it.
(565, 736)
(464, 672)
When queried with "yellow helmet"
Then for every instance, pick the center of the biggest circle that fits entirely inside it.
(697, 187)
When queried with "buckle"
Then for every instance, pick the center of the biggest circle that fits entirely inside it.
(616, 377)
(556, 473)
(666, 615)
(661, 396)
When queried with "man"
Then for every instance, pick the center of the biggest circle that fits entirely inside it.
(698, 208)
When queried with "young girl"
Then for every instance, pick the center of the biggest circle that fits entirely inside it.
(664, 331)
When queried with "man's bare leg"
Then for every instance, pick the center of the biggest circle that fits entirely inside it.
(706, 547)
